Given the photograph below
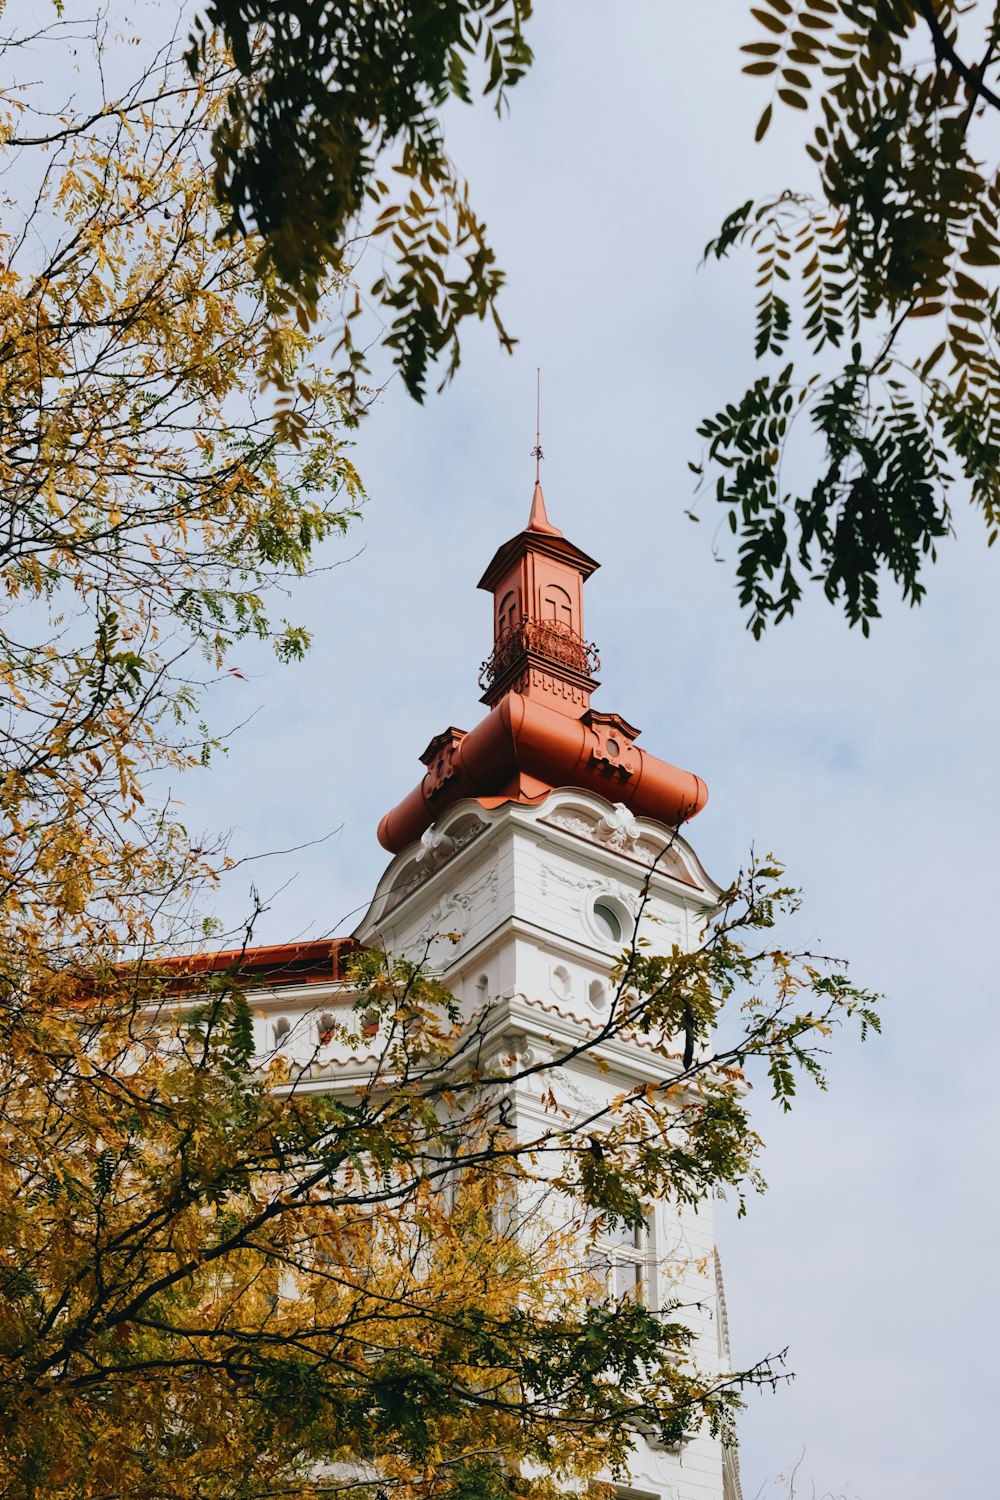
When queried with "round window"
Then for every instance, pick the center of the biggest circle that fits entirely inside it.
(609, 923)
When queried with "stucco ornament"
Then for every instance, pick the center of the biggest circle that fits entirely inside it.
(618, 828)
(573, 823)
(435, 846)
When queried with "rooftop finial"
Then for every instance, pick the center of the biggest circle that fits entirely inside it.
(536, 451)
(538, 520)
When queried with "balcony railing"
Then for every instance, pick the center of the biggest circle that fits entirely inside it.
(548, 639)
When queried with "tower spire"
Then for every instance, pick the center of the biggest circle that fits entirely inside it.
(538, 519)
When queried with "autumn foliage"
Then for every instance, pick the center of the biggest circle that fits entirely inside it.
(218, 1279)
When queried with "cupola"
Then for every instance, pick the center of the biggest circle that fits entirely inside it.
(541, 732)
(539, 649)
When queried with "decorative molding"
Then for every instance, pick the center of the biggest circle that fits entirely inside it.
(557, 687)
(475, 828)
(621, 831)
(487, 881)
(441, 760)
(618, 829)
(646, 851)
(436, 849)
(573, 823)
(600, 883)
(452, 912)
(435, 846)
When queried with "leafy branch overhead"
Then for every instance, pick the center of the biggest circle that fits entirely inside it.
(332, 136)
(877, 313)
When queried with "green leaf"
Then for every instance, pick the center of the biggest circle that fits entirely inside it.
(773, 23)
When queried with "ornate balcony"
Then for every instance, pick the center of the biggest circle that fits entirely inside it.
(547, 639)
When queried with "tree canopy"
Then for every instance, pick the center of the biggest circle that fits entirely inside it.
(224, 1274)
(876, 275)
(151, 494)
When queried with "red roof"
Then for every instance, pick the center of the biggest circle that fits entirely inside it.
(273, 965)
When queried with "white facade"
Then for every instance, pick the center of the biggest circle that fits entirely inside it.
(524, 908)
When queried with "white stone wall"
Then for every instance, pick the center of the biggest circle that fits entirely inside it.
(520, 893)
(516, 886)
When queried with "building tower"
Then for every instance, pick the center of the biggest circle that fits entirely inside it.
(532, 850)
(537, 841)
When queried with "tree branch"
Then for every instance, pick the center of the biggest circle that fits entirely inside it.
(944, 50)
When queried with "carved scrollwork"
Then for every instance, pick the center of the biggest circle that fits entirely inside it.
(618, 828)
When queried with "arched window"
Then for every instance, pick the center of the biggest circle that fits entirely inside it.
(507, 612)
(557, 605)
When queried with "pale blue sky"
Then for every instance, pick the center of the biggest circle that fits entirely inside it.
(868, 766)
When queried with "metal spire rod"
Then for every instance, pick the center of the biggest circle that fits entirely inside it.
(536, 451)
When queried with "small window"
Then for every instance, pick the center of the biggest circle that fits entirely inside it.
(483, 988)
(325, 1026)
(597, 994)
(609, 923)
(561, 982)
(507, 613)
(622, 1262)
(282, 1027)
(557, 606)
(445, 1172)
